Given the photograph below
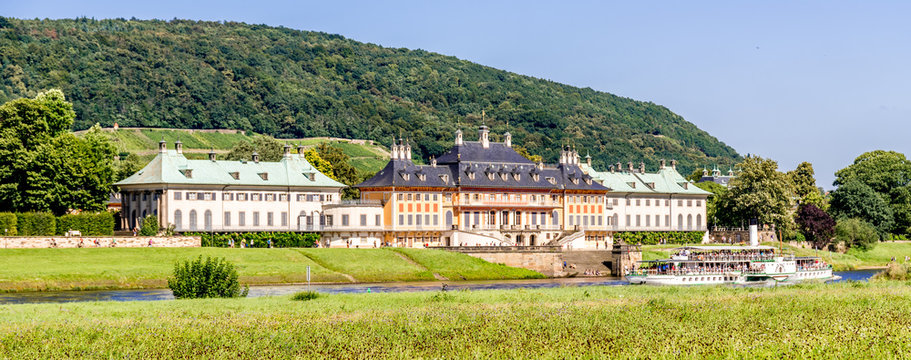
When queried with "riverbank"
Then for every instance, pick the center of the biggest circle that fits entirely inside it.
(145, 268)
(876, 258)
(857, 320)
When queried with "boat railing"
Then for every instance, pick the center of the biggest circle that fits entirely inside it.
(682, 272)
(724, 257)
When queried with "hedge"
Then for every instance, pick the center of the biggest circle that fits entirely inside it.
(655, 238)
(149, 226)
(8, 224)
(101, 223)
(35, 224)
(259, 239)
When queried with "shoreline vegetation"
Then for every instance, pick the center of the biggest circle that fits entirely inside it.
(864, 320)
(27, 270)
(879, 257)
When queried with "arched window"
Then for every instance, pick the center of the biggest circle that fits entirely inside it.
(448, 219)
(144, 213)
(555, 218)
(192, 219)
(616, 221)
(178, 220)
(680, 222)
(207, 219)
(689, 222)
(698, 221)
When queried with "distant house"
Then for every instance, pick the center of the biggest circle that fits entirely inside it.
(227, 196)
(716, 176)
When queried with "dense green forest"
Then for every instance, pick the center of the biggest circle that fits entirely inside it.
(290, 83)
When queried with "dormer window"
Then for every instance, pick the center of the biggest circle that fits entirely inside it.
(575, 181)
(490, 176)
(471, 175)
(188, 173)
(235, 175)
(422, 177)
(536, 177)
(551, 180)
(588, 181)
(516, 176)
(503, 176)
(264, 175)
(445, 178)
(406, 176)
(631, 184)
(651, 185)
(310, 176)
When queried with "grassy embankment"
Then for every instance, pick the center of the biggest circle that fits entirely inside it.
(363, 156)
(106, 268)
(847, 320)
(878, 257)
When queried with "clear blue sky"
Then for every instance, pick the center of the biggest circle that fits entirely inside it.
(817, 81)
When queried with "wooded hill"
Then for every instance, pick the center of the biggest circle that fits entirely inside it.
(294, 84)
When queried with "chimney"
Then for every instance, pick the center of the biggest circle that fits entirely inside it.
(211, 155)
(588, 159)
(287, 149)
(507, 139)
(619, 166)
(407, 150)
(642, 167)
(178, 146)
(611, 168)
(674, 164)
(483, 133)
(458, 138)
(255, 157)
(662, 162)
(630, 166)
(162, 146)
(433, 161)
(300, 151)
(395, 150)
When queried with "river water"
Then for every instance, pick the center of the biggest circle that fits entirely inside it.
(257, 291)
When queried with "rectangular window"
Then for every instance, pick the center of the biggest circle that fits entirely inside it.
(657, 221)
(270, 218)
(255, 196)
(270, 197)
(648, 202)
(190, 196)
(409, 197)
(667, 220)
(301, 197)
(637, 202)
(426, 197)
(378, 220)
(679, 202)
(401, 197)
(627, 202)
(427, 219)
(328, 220)
(401, 219)
(434, 197)
(256, 218)
(227, 196)
(585, 220)
(322, 197)
(344, 219)
(284, 218)
(667, 203)
(648, 221)
(467, 222)
(698, 203)
(241, 219)
(689, 203)
(227, 218)
(570, 221)
(534, 219)
(477, 217)
(363, 219)
(600, 220)
(283, 197)
(177, 195)
(616, 202)
(410, 219)
(145, 196)
(543, 218)
(436, 219)
(418, 220)
(627, 220)
(638, 222)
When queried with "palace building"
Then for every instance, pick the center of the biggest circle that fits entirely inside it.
(226, 196)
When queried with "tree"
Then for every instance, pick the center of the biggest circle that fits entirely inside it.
(214, 277)
(524, 152)
(341, 169)
(711, 204)
(127, 166)
(854, 199)
(266, 147)
(887, 173)
(856, 234)
(761, 192)
(319, 163)
(43, 167)
(816, 225)
(149, 226)
(804, 185)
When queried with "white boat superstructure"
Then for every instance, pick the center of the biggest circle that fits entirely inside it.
(709, 265)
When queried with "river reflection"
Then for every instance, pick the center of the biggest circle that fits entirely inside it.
(257, 291)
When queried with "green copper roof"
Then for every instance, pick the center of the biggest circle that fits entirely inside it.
(665, 181)
(173, 168)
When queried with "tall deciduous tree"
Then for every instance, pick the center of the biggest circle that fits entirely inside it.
(854, 199)
(804, 185)
(816, 225)
(856, 233)
(712, 214)
(760, 191)
(266, 147)
(43, 167)
(887, 173)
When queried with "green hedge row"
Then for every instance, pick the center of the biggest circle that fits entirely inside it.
(8, 224)
(655, 238)
(88, 224)
(259, 239)
(41, 224)
(35, 224)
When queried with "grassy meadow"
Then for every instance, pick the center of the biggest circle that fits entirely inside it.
(121, 268)
(846, 320)
(878, 257)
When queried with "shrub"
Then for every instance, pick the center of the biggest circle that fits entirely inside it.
(35, 224)
(856, 233)
(149, 226)
(259, 240)
(8, 224)
(214, 277)
(895, 271)
(101, 223)
(656, 237)
(305, 296)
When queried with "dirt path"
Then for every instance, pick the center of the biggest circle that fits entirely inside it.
(408, 259)
(320, 263)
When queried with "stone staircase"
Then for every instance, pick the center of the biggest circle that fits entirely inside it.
(567, 239)
(599, 260)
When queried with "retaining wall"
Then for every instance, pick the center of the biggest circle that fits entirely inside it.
(37, 242)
